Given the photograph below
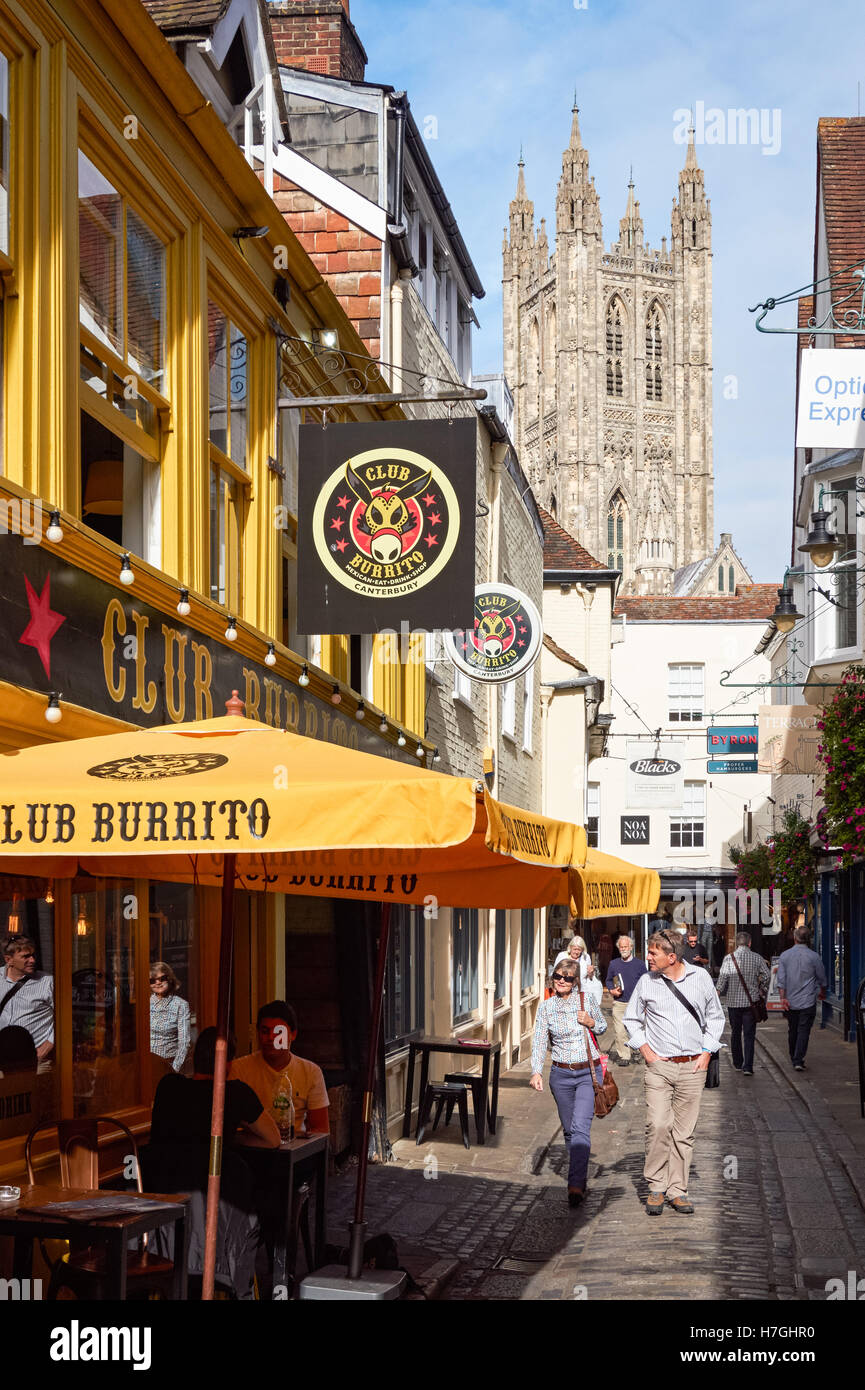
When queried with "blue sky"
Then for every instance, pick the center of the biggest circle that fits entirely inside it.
(501, 75)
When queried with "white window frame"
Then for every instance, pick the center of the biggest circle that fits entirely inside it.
(689, 694)
(693, 816)
(509, 709)
(528, 709)
(593, 809)
(462, 688)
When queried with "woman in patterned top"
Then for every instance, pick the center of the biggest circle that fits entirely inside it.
(169, 1016)
(561, 1024)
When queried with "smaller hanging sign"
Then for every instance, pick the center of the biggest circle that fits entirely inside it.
(719, 765)
(505, 640)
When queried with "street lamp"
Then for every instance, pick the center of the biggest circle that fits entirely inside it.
(820, 544)
(785, 616)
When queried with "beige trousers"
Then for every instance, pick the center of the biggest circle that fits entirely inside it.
(673, 1094)
(620, 1032)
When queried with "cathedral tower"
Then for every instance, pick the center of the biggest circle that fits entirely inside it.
(608, 354)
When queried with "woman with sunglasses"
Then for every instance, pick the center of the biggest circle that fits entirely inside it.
(561, 1024)
(578, 951)
(169, 1017)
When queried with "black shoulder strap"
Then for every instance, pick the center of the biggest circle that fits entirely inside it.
(682, 1000)
(10, 994)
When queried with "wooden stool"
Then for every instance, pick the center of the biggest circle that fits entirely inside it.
(443, 1093)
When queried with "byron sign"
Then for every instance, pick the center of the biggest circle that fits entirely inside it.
(505, 640)
(655, 776)
(723, 739)
(387, 525)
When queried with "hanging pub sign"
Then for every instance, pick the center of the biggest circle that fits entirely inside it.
(831, 399)
(655, 776)
(387, 525)
(505, 640)
(732, 738)
(718, 766)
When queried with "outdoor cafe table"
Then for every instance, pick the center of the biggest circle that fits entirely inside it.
(484, 1050)
(298, 1158)
(113, 1231)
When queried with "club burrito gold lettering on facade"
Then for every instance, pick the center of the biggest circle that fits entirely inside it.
(386, 522)
(606, 894)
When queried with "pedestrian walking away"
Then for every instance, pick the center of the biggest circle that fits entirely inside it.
(675, 1019)
(562, 1024)
(622, 976)
(801, 980)
(744, 980)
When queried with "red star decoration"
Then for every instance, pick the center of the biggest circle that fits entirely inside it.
(521, 644)
(341, 545)
(43, 623)
(429, 500)
(336, 523)
(431, 541)
(343, 501)
(434, 519)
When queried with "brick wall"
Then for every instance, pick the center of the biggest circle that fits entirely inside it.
(317, 35)
(348, 257)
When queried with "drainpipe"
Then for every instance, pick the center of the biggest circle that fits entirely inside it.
(498, 454)
(396, 342)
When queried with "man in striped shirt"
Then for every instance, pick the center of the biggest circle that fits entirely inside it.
(755, 974)
(677, 1048)
(31, 1005)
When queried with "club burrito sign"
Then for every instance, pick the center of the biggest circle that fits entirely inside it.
(505, 640)
(387, 525)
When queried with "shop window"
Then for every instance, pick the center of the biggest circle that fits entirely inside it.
(500, 959)
(685, 692)
(404, 978)
(527, 950)
(688, 831)
(844, 574)
(29, 1084)
(121, 277)
(173, 953)
(121, 366)
(593, 813)
(464, 942)
(227, 413)
(105, 1070)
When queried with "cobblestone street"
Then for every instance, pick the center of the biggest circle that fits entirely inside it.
(778, 1183)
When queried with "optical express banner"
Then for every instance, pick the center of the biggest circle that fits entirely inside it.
(387, 526)
(831, 399)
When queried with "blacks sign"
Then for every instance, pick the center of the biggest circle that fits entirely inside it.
(387, 525)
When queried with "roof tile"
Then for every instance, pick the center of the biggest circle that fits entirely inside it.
(562, 551)
(754, 602)
(841, 154)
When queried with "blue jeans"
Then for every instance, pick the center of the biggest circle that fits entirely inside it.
(575, 1099)
(799, 1023)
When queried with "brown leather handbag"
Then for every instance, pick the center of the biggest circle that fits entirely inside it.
(606, 1090)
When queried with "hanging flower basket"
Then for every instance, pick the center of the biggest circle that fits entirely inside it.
(841, 820)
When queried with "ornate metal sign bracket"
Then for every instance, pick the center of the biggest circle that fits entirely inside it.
(362, 375)
(845, 286)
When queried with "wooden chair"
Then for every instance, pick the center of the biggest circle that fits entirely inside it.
(83, 1269)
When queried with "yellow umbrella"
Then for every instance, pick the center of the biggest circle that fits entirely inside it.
(226, 800)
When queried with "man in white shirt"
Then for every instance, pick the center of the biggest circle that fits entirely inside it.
(264, 1070)
(677, 1046)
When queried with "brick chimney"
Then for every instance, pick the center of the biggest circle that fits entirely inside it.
(317, 35)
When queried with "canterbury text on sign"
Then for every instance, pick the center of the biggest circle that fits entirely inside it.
(505, 640)
(387, 521)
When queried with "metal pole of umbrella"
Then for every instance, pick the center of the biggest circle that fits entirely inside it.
(334, 1282)
(214, 1174)
(357, 1228)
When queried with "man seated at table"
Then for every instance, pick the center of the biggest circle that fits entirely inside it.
(263, 1070)
(177, 1160)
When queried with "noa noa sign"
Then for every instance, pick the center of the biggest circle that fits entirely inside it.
(831, 413)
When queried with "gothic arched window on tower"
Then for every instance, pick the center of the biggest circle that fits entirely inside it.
(615, 343)
(616, 532)
(694, 232)
(654, 355)
(732, 584)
